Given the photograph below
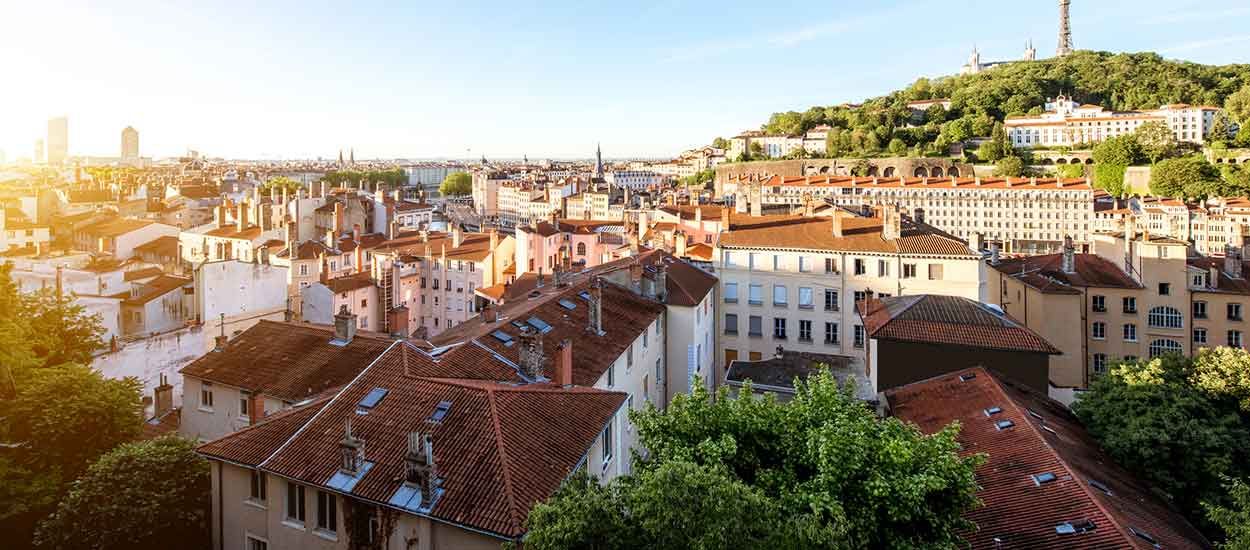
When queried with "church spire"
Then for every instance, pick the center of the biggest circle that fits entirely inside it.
(598, 161)
(353, 157)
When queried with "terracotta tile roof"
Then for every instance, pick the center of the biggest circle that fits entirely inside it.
(348, 283)
(115, 226)
(949, 320)
(1046, 273)
(1045, 438)
(499, 449)
(162, 246)
(231, 231)
(309, 250)
(154, 289)
(686, 285)
(1225, 284)
(858, 235)
(687, 212)
(474, 247)
(1025, 184)
(161, 425)
(90, 195)
(144, 273)
(289, 361)
(699, 251)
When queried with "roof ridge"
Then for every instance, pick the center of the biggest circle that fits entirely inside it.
(323, 409)
(1082, 487)
(504, 463)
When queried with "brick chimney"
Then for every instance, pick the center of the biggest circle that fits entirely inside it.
(240, 217)
(397, 320)
(163, 397)
(891, 223)
(457, 236)
(918, 215)
(661, 281)
(679, 244)
(255, 407)
(344, 327)
(531, 353)
(489, 314)
(835, 223)
(420, 470)
(564, 363)
(338, 218)
(635, 277)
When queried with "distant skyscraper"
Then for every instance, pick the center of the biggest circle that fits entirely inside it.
(58, 140)
(130, 144)
(38, 151)
(1065, 30)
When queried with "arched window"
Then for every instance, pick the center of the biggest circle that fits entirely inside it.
(581, 249)
(1166, 317)
(1162, 346)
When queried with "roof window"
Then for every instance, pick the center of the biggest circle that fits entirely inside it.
(584, 295)
(540, 325)
(993, 411)
(967, 377)
(370, 400)
(502, 336)
(1004, 424)
(1034, 414)
(1044, 477)
(568, 304)
(440, 411)
(1074, 527)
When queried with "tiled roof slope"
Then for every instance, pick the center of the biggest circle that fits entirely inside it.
(289, 361)
(500, 448)
(685, 284)
(253, 444)
(1024, 184)
(951, 320)
(625, 316)
(1046, 437)
(1046, 274)
(858, 235)
(1225, 284)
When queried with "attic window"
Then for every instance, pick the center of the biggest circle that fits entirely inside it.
(370, 400)
(568, 304)
(539, 325)
(1004, 424)
(1044, 477)
(1074, 527)
(1100, 486)
(440, 411)
(584, 295)
(502, 336)
(967, 377)
(518, 324)
(1144, 536)
(993, 411)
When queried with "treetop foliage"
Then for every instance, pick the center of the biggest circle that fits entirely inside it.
(456, 184)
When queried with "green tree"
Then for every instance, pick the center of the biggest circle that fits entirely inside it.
(1152, 420)
(897, 147)
(1010, 167)
(1120, 150)
(1237, 105)
(837, 143)
(1187, 177)
(1234, 519)
(277, 184)
(151, 494)
(720, 143)
(1157, 141)
(822, 471)
(1070, 170)
(1223, 372)
(1221, 130)
(756, 149)
(1110, 178)
(456, 184)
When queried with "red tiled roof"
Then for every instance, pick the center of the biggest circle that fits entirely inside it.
(500, 449)
(348, 283)
(1026, 184)
(949, 320)
(1225, 284)
(144, 273)
(473, 247)
(290, 361)
(1046, 273)
(686, 285)
(1018, 512)
(858, 235)
(163, 246)
(155, 288)
(687, 212)
(115, 226)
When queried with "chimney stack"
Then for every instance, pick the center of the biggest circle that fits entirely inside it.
(564, 363)
(918, 215)
(419, 468)
(1069, 255)
(457, 236)
(397, 321)
(351, 450)
(994, 253)
(891, 224)
(489, 315)
(1214, 275)
(595, 317)
(531, 353)
(344, 327)
(635, 277)
(661, 281)
(1232, 263)
(338, 218)
(163, 397)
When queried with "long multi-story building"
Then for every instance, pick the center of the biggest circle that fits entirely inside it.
(1027, 215)
(1066, 123)
(792, 281)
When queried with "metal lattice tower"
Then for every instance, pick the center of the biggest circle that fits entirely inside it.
(1065, 30)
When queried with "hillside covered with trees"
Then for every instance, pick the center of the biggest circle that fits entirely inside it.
(885, 125)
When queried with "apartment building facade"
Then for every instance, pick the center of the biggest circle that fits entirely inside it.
(1066, 123)
(793, 281)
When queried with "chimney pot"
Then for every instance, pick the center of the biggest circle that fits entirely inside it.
(564, 363)
(344, 326)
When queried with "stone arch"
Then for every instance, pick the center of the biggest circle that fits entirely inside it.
(1219, 161)
(872, 170)
(824, 169)
(936, 171)
(952, 172)
(921, 172)
(1061, 161)
(888, 172)
(1075, 161)
(1089, 160)
(1048, 161)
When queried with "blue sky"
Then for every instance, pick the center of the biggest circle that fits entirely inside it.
(545, 79)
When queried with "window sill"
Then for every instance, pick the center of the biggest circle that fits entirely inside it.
(755, 303)
(832, 310)
(805, 340)
(731, 300)
(809, 308)
(832, 343)
(258, 504)
(756, 335)
(326, 534)
(293, 524)
(775, 337)
(205, 409)
(782, 306)
(733, 333)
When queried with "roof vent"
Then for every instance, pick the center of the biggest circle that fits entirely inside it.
(1074, 527)
(1004, 424)
(993, 411)
(1044, 477)
(967, 377)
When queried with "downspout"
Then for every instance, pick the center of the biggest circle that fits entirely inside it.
(221, 525)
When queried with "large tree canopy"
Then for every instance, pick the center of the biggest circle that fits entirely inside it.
(1186, 177)
(151, 494)
(456, 184)
(821, 471)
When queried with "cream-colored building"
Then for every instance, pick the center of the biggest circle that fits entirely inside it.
(793, 281)
(1066, 123)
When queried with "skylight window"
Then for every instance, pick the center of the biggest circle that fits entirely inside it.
(518, 323)
(568, 304)
(1044, 477)
(584, 295)
(440, 411)
(993, 411)
(371, 400)
(967, 377)
(502, 336)
(1004, 424)
(539, 324)
(1144, 536)
(1074, 527)
(1100, 486)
